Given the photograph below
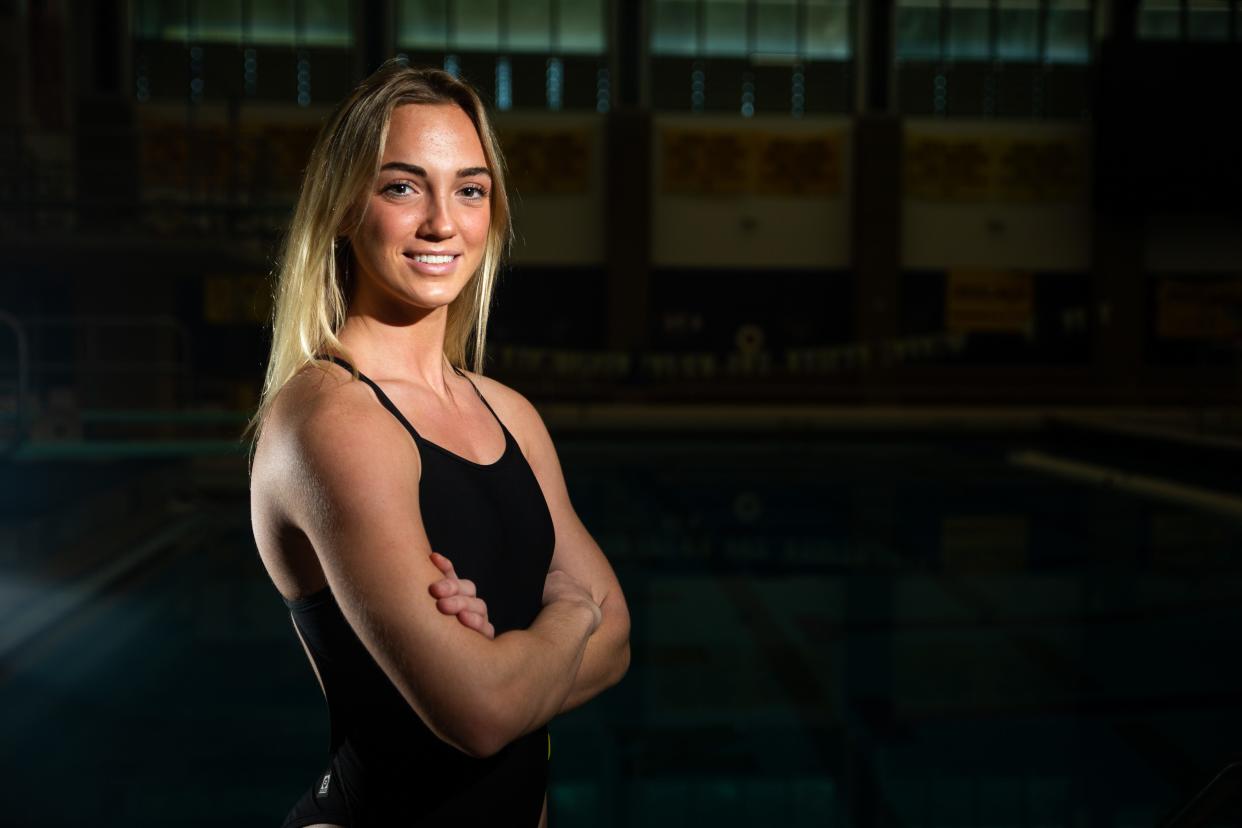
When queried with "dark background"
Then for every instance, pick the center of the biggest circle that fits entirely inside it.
(900, 341)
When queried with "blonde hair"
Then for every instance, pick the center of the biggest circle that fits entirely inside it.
(310, 296)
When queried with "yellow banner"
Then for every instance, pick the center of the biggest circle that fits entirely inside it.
(1199, 308)
(989, 168)
(717, 162)
(947, 169)
(1040, 170)
(703, 162)
(989, 300)
(548, 161)
(799, 165)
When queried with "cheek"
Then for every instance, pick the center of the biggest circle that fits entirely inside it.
(382, 229)
(395, 224)
(478, 223)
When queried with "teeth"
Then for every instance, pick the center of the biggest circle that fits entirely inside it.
(433, 259)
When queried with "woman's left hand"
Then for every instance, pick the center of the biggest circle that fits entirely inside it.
(456, 596)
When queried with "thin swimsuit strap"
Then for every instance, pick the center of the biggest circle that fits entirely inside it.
(392, 407)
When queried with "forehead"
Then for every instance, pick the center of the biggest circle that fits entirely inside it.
(433, 134)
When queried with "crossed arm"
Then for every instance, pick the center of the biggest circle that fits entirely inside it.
(476, 691)
(607, 653)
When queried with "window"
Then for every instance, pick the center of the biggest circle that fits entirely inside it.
(1160, 20)
(1208, 20)
(918, 30)
(1068, 31)
(530, 26)
(580, 27)
(751, 56)
(277, 22)
(776, 28)
(495, 26)
(827, 31)
(273, 21)
(1203, 20)
(969, 30)
(816, 29)
(475, 25)
(423, 24)
(994, 30)
(725, 29)
(1018, 38)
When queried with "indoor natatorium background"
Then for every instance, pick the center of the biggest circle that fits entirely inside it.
(892, 351)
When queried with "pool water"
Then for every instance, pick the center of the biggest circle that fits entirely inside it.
(826, 631)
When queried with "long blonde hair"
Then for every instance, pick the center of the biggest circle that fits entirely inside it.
(310, 296)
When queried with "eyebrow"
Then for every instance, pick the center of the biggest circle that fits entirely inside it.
(414, 169)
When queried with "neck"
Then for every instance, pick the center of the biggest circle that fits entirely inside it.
(410, 350)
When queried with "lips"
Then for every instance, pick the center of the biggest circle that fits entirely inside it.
(433, 264)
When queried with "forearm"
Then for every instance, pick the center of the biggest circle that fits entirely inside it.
(535, 668)
(605, 659)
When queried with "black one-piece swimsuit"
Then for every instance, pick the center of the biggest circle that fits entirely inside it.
(385, 767)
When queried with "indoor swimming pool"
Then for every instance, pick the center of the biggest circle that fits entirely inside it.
(848, 630)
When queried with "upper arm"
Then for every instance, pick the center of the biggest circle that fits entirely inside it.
(576, 552)
(357, 500)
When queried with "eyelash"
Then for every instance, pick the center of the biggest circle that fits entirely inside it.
(481, 192)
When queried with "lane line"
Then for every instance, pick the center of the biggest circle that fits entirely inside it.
(1157, 488)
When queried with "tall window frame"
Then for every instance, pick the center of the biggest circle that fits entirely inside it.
(548, 55)
(751, 57)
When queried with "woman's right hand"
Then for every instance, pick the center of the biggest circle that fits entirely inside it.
(560, 586)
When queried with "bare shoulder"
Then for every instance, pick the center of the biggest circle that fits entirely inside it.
(499, 393)
(517, 412)
(325, 425)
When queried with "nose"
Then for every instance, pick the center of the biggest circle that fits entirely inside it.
(438, 222)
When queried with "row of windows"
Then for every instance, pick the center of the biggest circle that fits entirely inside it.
(1012, 58)
(1057, 31)
(1204, 20)
(1051, 31)
(556, 26)
(568, 26)
(757, 28)
(259, 22)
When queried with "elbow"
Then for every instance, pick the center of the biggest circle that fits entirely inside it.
(476, 741)
(623, 660)
(492, 726)
(481, 732)
(480, 746)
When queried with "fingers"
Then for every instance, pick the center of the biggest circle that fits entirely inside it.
(459, 596)
(443, 564)
(453, 586)
(444, 588)
(455, 604)
(477, 622)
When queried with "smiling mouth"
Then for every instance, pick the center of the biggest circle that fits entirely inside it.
(428, 258)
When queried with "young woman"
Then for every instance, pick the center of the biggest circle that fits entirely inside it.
(411, 513)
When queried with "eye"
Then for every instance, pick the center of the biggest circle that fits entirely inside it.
(474, 191)
(399, 188)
